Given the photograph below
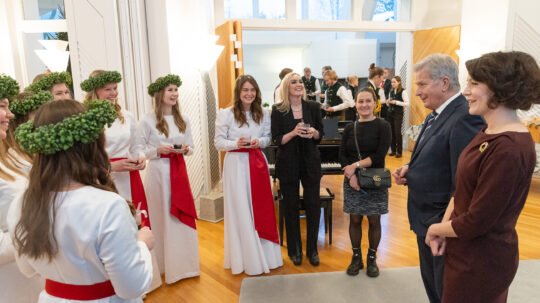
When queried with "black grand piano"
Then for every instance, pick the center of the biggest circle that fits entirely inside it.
(328, 148)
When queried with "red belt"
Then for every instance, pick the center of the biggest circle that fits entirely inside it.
(79, 292)
(182, 204)
(261, 195)
(138, 197)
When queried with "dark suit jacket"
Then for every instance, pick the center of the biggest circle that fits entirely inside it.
(387, 86)
(297, 149)
(431, 175)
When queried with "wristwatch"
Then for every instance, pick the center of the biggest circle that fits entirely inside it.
(357, 164)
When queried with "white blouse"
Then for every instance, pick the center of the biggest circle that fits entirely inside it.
(97, 241)
(9, 192)
(228, 131)
(152, 138)
(122, 140)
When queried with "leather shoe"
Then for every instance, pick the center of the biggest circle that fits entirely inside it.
(314, 259)
(297, 260)
(398, 155)
(392, 154)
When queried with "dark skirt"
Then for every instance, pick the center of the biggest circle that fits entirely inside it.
(375, 202)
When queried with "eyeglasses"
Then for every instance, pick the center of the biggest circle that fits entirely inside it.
(296, 81)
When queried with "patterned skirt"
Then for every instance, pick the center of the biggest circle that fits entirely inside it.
(375, 202)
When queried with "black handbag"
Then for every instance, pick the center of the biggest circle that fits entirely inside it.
(371, 178)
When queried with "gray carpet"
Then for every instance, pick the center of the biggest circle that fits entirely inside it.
(393, 285)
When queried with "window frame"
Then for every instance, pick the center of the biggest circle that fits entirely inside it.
(292, 23)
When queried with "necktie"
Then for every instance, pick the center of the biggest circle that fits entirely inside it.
(429, 121)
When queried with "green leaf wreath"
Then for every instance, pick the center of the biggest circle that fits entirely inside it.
(163, 82)
(30, 103)
(52, 138)
(8, 87)
(100, 80)
(47, 82)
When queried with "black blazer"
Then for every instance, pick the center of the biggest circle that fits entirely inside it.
(432, 169)
(297, 149)
(387, 86)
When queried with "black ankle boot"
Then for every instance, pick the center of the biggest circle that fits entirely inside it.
(372, 269)
(356, 263)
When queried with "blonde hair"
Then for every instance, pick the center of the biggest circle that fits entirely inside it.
(285, 105)
(92, 95)
(332, 75)
(162, 125)
(352, 79)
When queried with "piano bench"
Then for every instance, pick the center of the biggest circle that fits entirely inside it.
(326, 198)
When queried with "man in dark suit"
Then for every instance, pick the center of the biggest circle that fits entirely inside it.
(386, 83)
(430, 173)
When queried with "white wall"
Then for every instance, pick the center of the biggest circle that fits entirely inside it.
(481, 33)
(265, 62)
(177, 32)
(6, 55)
(440, 13)
(347, 57)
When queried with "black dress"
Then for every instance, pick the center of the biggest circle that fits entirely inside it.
(373, 140)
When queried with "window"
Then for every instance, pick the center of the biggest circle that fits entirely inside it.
(323, 9)
(43, 9)
(386, 10)
(254, 9)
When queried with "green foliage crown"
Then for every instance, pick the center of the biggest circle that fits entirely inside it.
(30, 103)
(100, 80)
(163, 82)
(47, 82)
(52, 138)
(8, 87)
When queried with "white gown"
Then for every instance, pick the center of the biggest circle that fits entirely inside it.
(97, 241)
(177, 245)
(122, 141)
(14, 286)
(244, 251)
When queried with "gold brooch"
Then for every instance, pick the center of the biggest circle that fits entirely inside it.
(483, 147)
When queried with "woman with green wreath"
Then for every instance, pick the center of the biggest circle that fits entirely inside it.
(14, 287)
(167, 138)
(90, 249)
(123, 146)
(24, 108)
(56, 83)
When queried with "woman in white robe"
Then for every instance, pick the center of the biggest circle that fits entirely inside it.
(14, 287)
(177, 243)
(125, 150)
(245, 248)
(93, 251)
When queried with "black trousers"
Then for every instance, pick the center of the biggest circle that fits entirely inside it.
(432, 269)
(312, 204)
(396, 119)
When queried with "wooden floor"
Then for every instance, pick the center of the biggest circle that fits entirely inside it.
(397, 247)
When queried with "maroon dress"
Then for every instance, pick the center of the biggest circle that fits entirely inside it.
(492, 183)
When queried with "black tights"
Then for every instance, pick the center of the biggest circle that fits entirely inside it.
(374, 231)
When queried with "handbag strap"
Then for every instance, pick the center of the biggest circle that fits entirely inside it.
(356, 141)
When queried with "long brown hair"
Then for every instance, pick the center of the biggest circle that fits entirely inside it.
(87, 164)
(256, 107)
(400, 87)
(92, 95)
(162, 125)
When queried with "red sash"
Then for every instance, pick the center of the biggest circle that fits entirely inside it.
(137, 194)
(182, 204)
(262, 199)
(79, 292)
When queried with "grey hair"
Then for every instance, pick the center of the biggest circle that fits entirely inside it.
(439, 66)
